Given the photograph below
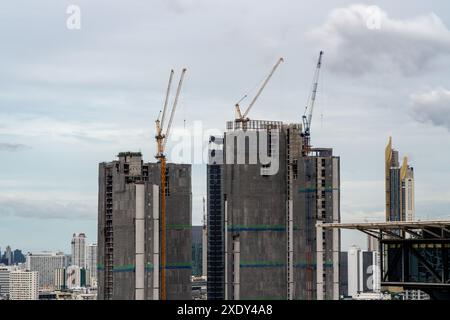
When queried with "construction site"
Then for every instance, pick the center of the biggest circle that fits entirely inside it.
(144, 222)
(262, 240)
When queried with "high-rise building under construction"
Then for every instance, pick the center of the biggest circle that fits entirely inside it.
(129, 238)
(399, 186)
(265, 196)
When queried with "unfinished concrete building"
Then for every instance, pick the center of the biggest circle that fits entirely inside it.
(264, 199)
(129, 230)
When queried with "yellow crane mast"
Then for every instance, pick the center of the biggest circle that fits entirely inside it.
(161, 140)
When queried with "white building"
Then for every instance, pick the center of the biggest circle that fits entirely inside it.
(60, 279)
(45, 263)
(23, 285)
(73, 277)
(363, 271)
(79, 250)
(91, 265)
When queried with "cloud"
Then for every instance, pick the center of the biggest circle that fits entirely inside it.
(12, 147)
(432, 106)
(30, 207)
(363, 39)
(92, 132)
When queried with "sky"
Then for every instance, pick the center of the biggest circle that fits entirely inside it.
(71, 98)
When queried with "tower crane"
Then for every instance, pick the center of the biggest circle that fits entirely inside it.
(161, 139)
(243, 117)
(307, 116)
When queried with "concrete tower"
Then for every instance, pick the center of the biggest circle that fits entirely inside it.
(264, 200)
(129, 231)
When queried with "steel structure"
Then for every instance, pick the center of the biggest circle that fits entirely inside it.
(161, 140)
(415, 254)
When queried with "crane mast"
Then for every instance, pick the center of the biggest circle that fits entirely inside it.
(307, 116)
(161, 139)
(243, 117)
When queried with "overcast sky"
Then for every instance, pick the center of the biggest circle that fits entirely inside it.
(71, 98)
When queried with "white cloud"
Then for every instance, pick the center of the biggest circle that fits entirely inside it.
(432, 106)
(360, 39)
(46, 206)
(32, 127)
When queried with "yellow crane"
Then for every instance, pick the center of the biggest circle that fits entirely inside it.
(243, 117)
(161, 139)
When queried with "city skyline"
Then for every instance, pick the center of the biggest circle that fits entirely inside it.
(65, 107)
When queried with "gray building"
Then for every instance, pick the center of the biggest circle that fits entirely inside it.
(264, 200)
(197, 250)
(45, 263)
(399, 186)
(4, 281)
(129, 248)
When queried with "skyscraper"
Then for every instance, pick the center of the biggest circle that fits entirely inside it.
(264, 200)
(399, 187)
(8, 256)
(91, 264)
(129, 250)
(79, 250)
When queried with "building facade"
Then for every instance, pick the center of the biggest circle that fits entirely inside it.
(78, 245)
(45, 263)
(23, 285)
(129, 238)
(399, 186)
(264, 200)
(197, 251)
(60, 279)
(91, 265)
(4, 281)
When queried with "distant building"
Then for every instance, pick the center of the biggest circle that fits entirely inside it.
(372, 244)
(8, 256)
(23, 285)
(91, 264)
(129, 247)
(75, 277)
(60, 279)
(45, 263)
(4, 281)
(265, 196)
(68, 260)
(415, 295)
(79, 250)
(343, 274)
(399, 187)
(197, 251)
(18, 257)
